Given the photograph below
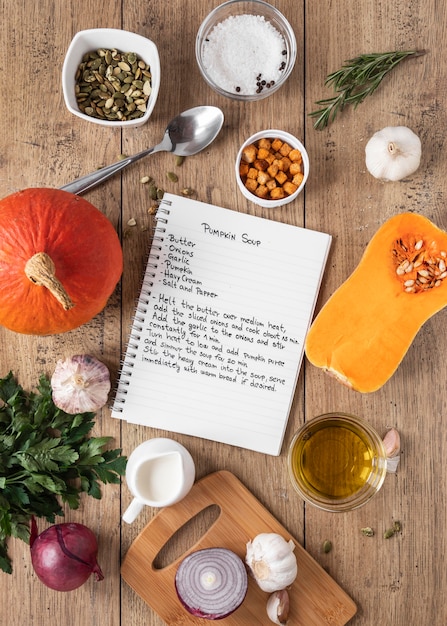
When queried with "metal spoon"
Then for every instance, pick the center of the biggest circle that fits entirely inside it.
(187, 134)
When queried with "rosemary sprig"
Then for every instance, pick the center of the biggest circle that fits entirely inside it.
(356, 79)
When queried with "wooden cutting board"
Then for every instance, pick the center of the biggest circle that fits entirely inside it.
(315, 598)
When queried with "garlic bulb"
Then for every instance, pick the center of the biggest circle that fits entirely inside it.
(278, 607)
(393, 153)
(272, 561)
(80, 384)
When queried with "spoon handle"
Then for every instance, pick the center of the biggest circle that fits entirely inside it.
(84, 183)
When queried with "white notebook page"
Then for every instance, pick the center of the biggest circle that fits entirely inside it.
(218, 337)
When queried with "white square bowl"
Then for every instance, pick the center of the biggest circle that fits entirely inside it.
(87, 40)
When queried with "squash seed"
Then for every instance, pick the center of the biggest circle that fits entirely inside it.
(419, 270)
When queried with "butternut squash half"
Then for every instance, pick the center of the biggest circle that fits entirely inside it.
(365, 328)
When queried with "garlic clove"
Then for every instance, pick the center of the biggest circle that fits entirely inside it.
(393, 153)
(80, 384)
(391, 443)
(278, 606)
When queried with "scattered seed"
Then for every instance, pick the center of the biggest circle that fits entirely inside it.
(145, 179)
(132, 222)
(152, 191)
(397, 527)
(327, 546)
(179, 160)
(368, 531)
(160, 193)
(390, 532)
(152, 209)
(187, 192)
(172, 176)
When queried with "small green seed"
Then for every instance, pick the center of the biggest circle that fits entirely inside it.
(389, 533)
(152, 192)
(172, 177)
(368, 531)
(327, 546)
(397, 526)
(179, 160)
(160, 193)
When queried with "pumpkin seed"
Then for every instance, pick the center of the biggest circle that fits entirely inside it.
(107, 74)
(172, 176)
(327, 546)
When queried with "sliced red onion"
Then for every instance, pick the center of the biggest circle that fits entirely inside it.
(211, 583)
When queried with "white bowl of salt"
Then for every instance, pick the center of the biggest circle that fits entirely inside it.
(245, 49)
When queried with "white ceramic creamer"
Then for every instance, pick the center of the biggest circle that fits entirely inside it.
(159, 472)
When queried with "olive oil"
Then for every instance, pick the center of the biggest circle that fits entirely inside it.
(333, 459)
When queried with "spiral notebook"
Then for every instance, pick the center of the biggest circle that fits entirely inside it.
(218, 336)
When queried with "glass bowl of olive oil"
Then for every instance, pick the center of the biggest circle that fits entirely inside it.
(337, 462)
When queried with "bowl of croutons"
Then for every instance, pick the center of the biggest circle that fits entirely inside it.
(272, 167)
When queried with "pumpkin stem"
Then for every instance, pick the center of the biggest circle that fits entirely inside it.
(41, 270)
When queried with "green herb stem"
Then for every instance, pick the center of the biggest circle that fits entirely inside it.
(355, 80)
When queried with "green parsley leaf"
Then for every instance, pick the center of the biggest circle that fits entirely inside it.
(47, 459)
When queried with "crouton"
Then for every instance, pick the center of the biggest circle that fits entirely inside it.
(261, 164)
(262, 178)
(281, 177)
(289, 187)
(251, 184)
(295, 156)
(249, 153)
(295, 168)
(276, 145)
(298, 179)
(262, 191)
(277, 193)
(252, 173)
(285, 149)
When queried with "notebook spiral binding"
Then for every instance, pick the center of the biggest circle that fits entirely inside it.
(136, 327)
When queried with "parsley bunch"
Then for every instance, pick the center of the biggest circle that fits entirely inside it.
(46, 459)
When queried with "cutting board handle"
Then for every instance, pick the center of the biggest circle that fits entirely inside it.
(170, 519)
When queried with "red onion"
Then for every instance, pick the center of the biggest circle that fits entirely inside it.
(64, 555)
(211, 583)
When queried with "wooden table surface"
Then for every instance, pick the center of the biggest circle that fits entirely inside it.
(397, 581)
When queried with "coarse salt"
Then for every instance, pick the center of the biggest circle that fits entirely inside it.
(244, 54)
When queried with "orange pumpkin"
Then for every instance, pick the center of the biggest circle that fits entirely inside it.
(60, 260)
(365, 328)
